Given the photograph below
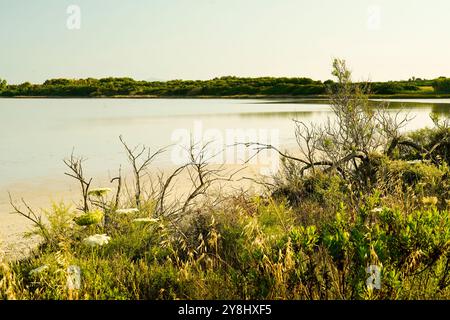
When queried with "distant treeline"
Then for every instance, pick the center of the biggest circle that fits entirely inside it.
(224, 86)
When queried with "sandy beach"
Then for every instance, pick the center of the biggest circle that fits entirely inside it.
(39, 196)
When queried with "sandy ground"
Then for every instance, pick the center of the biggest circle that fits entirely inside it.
(40, 194)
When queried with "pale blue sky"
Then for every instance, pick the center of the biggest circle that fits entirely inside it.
(202, 39)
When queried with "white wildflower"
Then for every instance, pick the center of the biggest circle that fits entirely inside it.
(38, 269)
(127, 211)
(97, 240)
(376, 210)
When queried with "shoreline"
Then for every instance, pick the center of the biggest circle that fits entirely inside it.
(256, 97)
(39, 195)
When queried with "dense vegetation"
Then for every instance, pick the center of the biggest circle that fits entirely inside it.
(442, 85)
(224, 86)
(362, 194)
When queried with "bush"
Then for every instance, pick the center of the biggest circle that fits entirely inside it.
(442, 85)
(437, 140)
(411, 174)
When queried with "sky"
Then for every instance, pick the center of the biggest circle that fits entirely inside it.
(202, 39)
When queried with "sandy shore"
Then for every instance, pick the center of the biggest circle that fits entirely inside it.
(39, 195)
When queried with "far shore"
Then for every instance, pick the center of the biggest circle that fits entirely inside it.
(262, 97)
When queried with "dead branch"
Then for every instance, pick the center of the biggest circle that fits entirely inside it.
(134, 156)
(119, 187)
(75, 165)
(30, 215)
(165, 187)
(262, 146)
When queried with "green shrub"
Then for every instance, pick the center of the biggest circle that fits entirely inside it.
(436, 140)
(442, 85)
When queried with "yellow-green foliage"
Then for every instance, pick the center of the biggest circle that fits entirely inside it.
(436, 140)
(413, 173)
(89, 218)
(417, 178)
(249, 249)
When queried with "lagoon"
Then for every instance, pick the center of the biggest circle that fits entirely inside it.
(36, 134)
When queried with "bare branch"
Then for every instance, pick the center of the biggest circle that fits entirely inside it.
(30, 215)
(134, 157)
(75, 165)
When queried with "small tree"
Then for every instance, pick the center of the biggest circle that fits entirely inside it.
(348, 140)
(354, 134)
(3, 84)
(442, 85)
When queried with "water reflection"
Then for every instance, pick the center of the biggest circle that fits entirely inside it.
(439, 106)
(287, 114)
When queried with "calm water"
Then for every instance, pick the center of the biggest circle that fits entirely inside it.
(36, 134)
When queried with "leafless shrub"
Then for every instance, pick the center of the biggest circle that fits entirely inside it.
(201, 175)
(30, 215)
(140, 157)
(75, 166)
